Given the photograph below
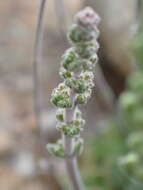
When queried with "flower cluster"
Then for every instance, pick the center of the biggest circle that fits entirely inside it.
(77, 66)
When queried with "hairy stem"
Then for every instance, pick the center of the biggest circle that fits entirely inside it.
(71, 162)
(37, 63)
(72, 167)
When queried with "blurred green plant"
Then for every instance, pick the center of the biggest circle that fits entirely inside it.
(115, 154)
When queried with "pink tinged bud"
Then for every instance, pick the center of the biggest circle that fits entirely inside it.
(87, 17)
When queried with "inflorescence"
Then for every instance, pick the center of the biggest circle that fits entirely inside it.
(77, 66)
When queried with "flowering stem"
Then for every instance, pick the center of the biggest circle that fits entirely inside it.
(77, 66)
(72, 166)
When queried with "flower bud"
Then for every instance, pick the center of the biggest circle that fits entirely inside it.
(87, 50)
(65, 74)
(87, 17)
(88, 78)
(94, 58)
(78, 85)
(56, 149)
(79, 34)
(69, 58)
(60, 114)
(69, 129)
(79, 123)
(61, 96)
(78, 146)
(83, 98)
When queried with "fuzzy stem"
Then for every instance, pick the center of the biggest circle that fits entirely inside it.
(72, 167)
(71, 162)
(37, 63)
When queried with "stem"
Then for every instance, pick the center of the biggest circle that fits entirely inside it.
(37, 63)
(72, 167)
(71, 162)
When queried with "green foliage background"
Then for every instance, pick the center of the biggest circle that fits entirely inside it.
(114, 156)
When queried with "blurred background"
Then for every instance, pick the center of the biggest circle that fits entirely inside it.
(113, 155)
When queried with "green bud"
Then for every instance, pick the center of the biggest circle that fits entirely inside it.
(65, 74)
(78, 85)
(56, 149)
(83, 98)
(79, 34)
(88, 77)
(86, 50)
(78, 146)
(60, 115)
(61, 101)
(69, 129)
(80, 65)
(87, 65)
(79, 123)
(60, 126)
(80, 99)
(69, 58)
(61, 96)
(94, 58)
